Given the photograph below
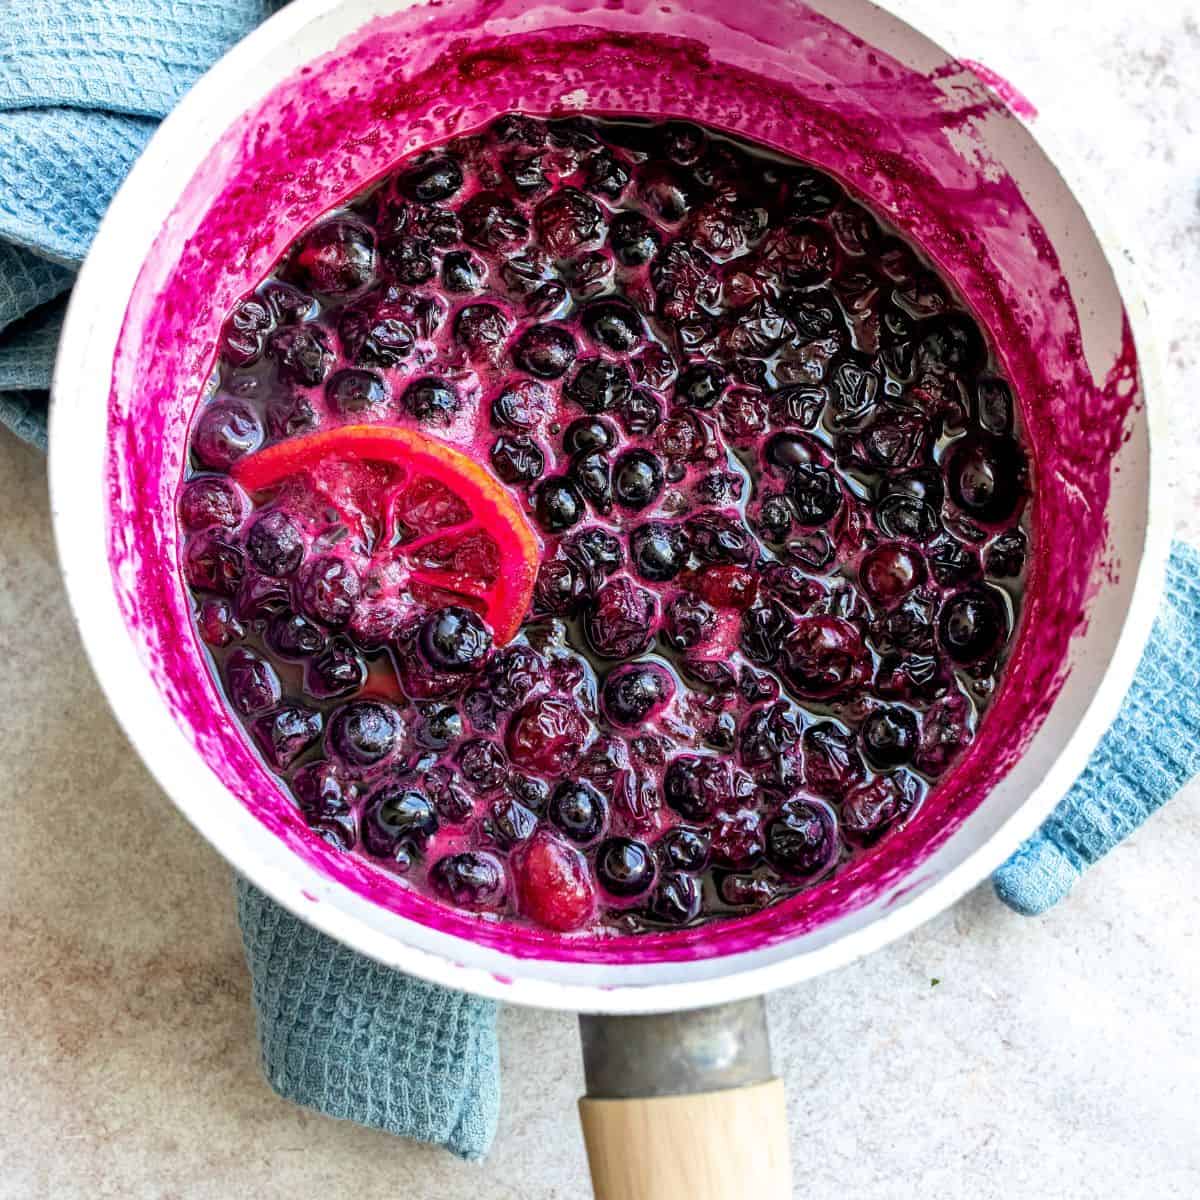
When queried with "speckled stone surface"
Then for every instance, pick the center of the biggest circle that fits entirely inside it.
(1055, 1058)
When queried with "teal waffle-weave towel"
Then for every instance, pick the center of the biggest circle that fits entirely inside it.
(1152, 749)
(83, 84)
(353, 1039)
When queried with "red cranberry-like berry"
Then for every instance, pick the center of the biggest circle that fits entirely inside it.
(824, 656)
(727, 586)
(802, 839)
(211, 500)
(396, 817)
(890, 572)
(619, 624)
(473, 880)
(283, 735)
(553, 884)
(365, 732)
(334, 258)
(634, 693)
(578, 811)
(251, 682)
(697, 787)
(625, 867)
(329, 590)
(546, 735)
(225, 431)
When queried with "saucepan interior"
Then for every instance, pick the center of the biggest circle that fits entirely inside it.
(322, 100)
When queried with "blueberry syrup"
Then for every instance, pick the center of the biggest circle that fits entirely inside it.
(779, 486)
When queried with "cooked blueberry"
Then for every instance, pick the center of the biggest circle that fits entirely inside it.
(641, 412)
(293, 635)
(624, 867)
(568, 220)
(596, 550)
(482, 764)
(283, 735)
(334, 258)
(633, 692)
(599, 385)
(954, 343)
(454, 639)
(218, 623)
(683, 850)
(546, 351)
(802, 839)
(618, 623)
(534, 794)
(324, 795)
(397, 817)
(815, 492)
(211, 500)
(701, 385)
(659, 551)
(251, 682)
(592, 474)
(560, 587)
(302, 354)
(972, 625)
(951, 562)
(775, 518)
(890, 735)
(473, 879)
(451, 800)
(588, 434)
(225, 431)
(697, 787)
(814, 313)
(578, 810)
(211, 563)
(676, 900)
(558, 505)
(615, 324)
(410, 259)
(527, 171)
(633, 239)
(329, 590)
(482, 329)
(994, 405)
(275, 544)
(369, 335)
(337, 671)
(606, 174)
(511, 823)
(365, 732)
(986, 477)
(436, 178)
(667, 190)
(689, 621)
(432, 400)
(357, 391)
(716, 538)
(517, 459)
(462, 271)
(637, 479)
(1005, 557)
(491, 222)
(812, 193)
(440, 727)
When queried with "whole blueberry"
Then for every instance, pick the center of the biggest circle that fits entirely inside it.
(211, 500)
(432, 179)
(517, 459)
(546, 351)
(802, 839)
(335, 257)
(659, 551)
(676, 900)
(251, 682)
(634, 240)
(598, 385)
(637, 479)
(683, 849)
(432, 400)
(615, 324)
(329, 590)
(578, 810)
(337, 671)
(225, 431)
(454, 638)
(397, 817)
(293, 635)
(558, 504)
(275, 544)
(631, 693)
(365, 732)
(701, 385)
(588, 434)
(971, 625)
(474, 880)
(624, 867)
(356, 390)
(890, 736)
(285, 733)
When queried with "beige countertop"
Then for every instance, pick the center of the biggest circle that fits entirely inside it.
(1057, 1057)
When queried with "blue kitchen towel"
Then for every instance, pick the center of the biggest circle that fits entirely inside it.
(356, 1040)
(1152, 749)
(83, 84)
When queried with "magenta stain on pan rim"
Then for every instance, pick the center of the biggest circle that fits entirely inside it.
(382, 94)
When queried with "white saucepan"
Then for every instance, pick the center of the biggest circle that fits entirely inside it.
(322, 99)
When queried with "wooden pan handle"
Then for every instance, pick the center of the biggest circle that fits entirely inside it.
(726, 1145)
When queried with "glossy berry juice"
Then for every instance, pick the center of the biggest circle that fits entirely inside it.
(779, 497)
